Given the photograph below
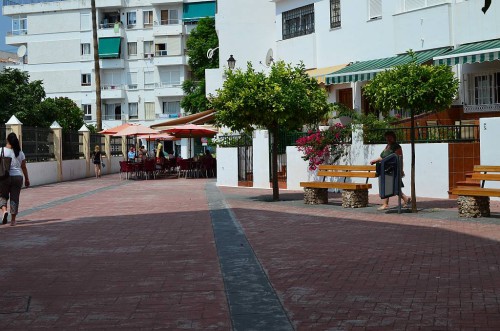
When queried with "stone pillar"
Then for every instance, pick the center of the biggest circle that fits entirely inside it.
(14, 125)
(85, 137)
(57, 130)
(315, 196)
(107, 150)
(469, 206)
(354, 198)
(124, 148)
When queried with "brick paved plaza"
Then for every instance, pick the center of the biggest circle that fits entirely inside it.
(177, 254)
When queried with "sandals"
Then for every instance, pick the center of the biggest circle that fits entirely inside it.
(4, 217)
(383, 207)
(408, 203)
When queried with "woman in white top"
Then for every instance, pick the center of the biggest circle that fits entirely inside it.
(10, 188)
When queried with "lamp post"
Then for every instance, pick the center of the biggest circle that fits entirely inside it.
(231, 62)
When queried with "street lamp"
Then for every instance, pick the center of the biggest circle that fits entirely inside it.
(231, 62)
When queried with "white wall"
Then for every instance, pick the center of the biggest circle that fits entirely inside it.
(471, 25)
(489, 130)
(74, 169)
(261, 159)
(297, 169)
(42, 173)
(227, 166)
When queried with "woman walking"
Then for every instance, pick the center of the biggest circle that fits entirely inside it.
(10, 188)
(97, 159)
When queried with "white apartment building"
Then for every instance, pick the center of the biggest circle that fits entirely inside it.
(141, 49)
(345, 43)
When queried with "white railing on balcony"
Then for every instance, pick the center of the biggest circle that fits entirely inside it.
(168, 84)
(169, 22)
(162, 52)
(112, 87)
(409, 5)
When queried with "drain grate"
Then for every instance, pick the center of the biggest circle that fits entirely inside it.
(14, 305)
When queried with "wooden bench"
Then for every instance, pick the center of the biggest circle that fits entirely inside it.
(354, 195)
(475, 201)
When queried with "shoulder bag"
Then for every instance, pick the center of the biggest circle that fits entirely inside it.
(5, 162)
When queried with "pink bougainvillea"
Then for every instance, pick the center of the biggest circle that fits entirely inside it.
(321, 147)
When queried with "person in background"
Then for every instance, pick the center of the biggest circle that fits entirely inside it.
(392, 147)
(97, 160)
(143, 153)
(10, 188)
(131, 153)
(159, 149)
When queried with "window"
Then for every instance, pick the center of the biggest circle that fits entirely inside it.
(109, 20)
(149, 110)
(19, 25)
(112, 79)
(131, 19)
(148, 49)
(132, 80)
(298, 22)
(148, 18)
(87, 112)
(86, 80)
(132, 48)
(112, 111)
(85, 49)
(335, 21)
(485, 89)
(149, 80)
(171, 107)
(85, 23)
(374, 9)
(161, 49)
(170, 77)
(164, 17)
(133, 111)
(173, 16)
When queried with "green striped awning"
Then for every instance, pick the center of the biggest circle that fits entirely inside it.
(367, 70)
(109, 48)
(479, 52)
(195, 11)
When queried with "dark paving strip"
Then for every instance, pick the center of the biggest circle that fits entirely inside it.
(253, 303)
(59, 202)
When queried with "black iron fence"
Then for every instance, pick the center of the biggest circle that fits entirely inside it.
(426, 134)
(38, 144)
(72, 146)
(116, 146)
(234, 140)
(96, 139)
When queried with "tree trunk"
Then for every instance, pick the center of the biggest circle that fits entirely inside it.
(412, 137)
(274, 162)
(97, 68)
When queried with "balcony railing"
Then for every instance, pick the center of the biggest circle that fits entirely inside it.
(25, 2)
(168, 84)
(426, 134)
(169, 22)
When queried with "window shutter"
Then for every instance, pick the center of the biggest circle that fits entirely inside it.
(375, 9)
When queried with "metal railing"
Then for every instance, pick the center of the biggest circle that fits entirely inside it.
(116, 146)
(234, 140)
(96, 139)
(426, 134)
(38, 144)
(72, 146)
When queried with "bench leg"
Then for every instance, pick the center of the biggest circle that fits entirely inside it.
(469, 206)
(354, 198)
(315, 196)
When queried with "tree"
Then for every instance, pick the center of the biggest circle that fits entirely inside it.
(62, 110)
(97, 67)
(18, 94)
(201, 39)
(286, 99)
(417, 88)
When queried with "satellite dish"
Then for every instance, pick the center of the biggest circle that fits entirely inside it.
(269, 57)
(21, 51)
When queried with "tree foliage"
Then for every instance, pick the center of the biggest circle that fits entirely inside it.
(417, 88)
(201, 39)
(26, 100)
(287, 98)
(17, 94)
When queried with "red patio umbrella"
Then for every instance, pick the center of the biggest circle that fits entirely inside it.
(136, 130)
(115, 129)
(190, 131)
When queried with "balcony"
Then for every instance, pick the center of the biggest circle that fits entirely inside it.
(162, 59)
(109, 3)
(112, 63)
(108, 30)
(168, 90)
(16, 37)
(165, 2)
(168, 28)
(112, 92)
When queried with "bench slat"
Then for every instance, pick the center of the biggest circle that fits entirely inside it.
(347, 167)
(476, 191)
(357, 174)
(486, 176)
(486, 168)
(339, 185)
